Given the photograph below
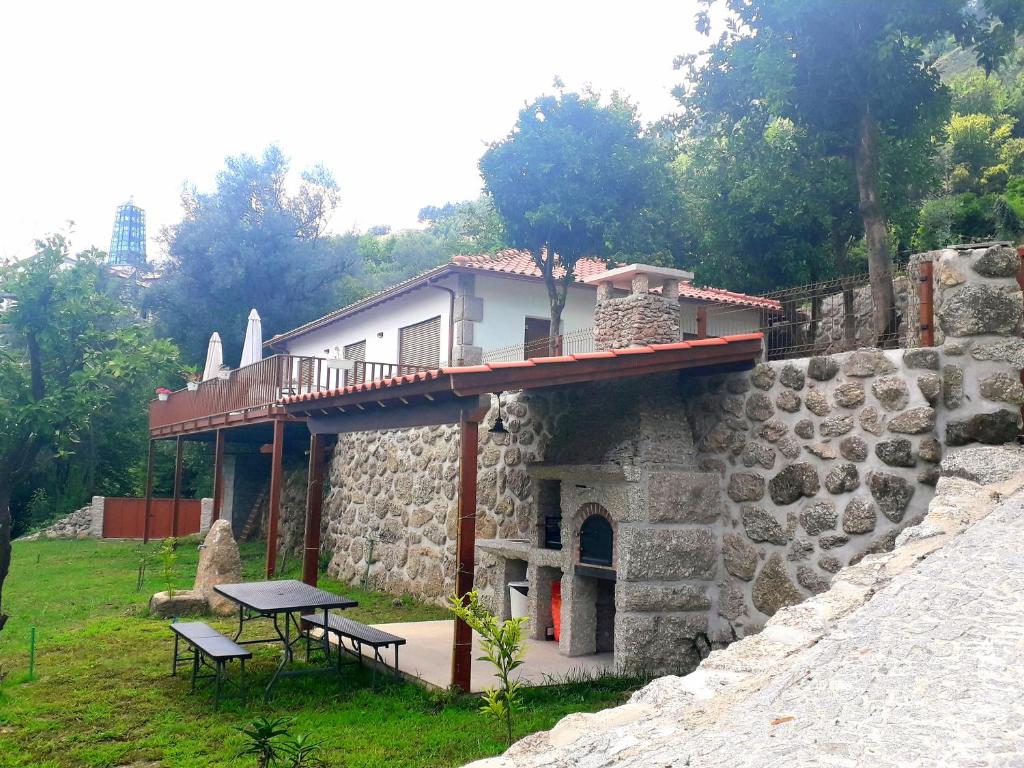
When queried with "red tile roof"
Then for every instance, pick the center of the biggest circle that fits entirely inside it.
(521, 264)
(680, 354)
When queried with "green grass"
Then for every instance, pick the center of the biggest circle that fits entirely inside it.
(103, 696)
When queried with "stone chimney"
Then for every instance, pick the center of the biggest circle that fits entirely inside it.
(628, 314)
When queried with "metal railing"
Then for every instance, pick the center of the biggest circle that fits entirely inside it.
(826, 317)
(570, 343)
(263, 383)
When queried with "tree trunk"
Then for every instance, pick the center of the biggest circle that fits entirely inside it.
(875, 228)
(5, 539)
(840, 254)
(554, 337)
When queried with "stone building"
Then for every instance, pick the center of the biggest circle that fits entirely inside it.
(726, 496)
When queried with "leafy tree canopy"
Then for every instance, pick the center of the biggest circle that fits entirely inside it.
(70, 354)
(251, 243)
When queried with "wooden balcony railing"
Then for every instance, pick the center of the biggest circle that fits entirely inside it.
(262, 385)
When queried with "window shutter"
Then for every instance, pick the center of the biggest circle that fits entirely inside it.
(355, 351)
(420, 344)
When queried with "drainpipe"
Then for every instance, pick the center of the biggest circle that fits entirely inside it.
(451, 320)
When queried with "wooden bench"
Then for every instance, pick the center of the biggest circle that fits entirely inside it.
(210, 649)
(358, 635)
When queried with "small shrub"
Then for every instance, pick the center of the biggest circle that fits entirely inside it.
(168, 557)
(502, 644)
(273, 747)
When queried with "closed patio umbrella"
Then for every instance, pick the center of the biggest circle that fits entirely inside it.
(252, 347)
(214, 357)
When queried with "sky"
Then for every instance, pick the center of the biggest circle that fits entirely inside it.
(108, 100)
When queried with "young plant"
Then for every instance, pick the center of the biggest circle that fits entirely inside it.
(303, 752)
(502, 645)
(267, 737)
(191, 374)
(168, 557)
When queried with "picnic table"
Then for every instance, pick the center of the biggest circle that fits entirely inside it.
(271, 599)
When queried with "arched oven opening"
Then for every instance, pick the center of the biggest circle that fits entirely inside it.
(595, 578)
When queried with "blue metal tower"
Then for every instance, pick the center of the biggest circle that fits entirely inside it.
(128, 242)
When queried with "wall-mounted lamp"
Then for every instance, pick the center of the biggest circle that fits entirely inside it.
(499, 425)
(380, 334)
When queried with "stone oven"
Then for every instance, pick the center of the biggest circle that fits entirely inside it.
(627, 532)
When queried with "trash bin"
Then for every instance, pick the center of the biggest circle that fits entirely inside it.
(517, 592)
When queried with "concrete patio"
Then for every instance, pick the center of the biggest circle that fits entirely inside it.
(427, 656)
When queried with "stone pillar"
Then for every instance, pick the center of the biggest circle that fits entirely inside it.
(978, 313)
(469, 310)
(636, 319)
(96, 523)
(205, 515)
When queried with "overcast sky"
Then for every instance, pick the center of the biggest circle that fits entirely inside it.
(106, 100)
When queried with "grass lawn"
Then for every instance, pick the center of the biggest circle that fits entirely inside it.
(103, 696)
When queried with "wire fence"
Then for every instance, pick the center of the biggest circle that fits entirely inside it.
(830, 316)
(570, 343)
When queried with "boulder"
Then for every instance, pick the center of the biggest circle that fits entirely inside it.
(836, 426)
(842, 478)
(761, 525)
(788, 400)
(921, 358)
(997, 261)
(739, 557)
(188, 602)
(981, 309)
(984, 464)
(745, 486)
(792, 377)
(872, 420)
(913, 421)
(811, 580)
(849, 395)
(853, 448)
(1002, 387)
(763, 376)
(759, 407)
(833, 540)
(891, 392)
(868, 362)
(993, 428)
(821, 450)
(952, 386)
(773, 589)
(858, 517)
(819, 516)
(219, 563)
(757, 453)
(896, 453)
(804, 428)
(891, 492)
(817, 404)
(796, 480)
(930, 450)
(930, 386)
(822, 368)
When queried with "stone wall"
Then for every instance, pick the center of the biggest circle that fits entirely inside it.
(399, 490)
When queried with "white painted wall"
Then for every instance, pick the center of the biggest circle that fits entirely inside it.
(508, 302)
(385, 319)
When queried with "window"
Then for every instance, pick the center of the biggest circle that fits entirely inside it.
(420, 344)
(357, 352)
(535, 337)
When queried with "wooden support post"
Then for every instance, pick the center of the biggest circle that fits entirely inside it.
(465, 549)
(925, 303)
(702, 322)
(275, 497)
(179, 455)
(218, 474)
(314, 510)
(149, 492)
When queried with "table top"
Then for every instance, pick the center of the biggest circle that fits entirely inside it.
(282, 596)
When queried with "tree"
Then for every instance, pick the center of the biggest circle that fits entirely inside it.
(251, 244)
(577, 178)
(68, 352)
(471, 226)
(853, 73)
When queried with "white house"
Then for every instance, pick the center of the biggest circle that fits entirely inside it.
(489, 307)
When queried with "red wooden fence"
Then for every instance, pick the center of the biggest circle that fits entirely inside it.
(123, 518)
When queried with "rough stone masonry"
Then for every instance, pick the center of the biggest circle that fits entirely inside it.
(818, 461)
